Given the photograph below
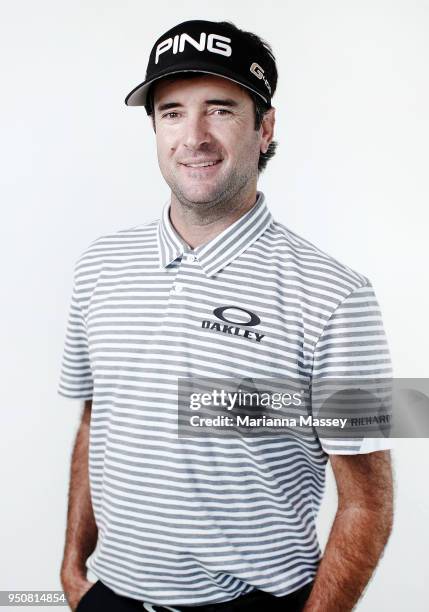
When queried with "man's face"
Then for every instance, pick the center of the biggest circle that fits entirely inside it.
(208, 148)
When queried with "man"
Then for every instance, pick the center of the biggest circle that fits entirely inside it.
(215, 288)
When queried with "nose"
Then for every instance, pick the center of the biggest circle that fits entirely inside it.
(195, 131)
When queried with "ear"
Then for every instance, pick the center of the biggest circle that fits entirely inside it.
(267, 129)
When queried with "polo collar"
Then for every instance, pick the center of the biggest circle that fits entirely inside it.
(223, 248)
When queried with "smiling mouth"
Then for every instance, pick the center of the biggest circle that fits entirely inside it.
(205, 164)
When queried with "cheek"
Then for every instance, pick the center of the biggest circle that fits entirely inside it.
(165, 149)
(244, 146)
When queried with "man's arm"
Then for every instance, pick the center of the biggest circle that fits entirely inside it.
(81, 533)
(360, 531)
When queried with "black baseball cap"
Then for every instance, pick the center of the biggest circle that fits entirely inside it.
(209, 47)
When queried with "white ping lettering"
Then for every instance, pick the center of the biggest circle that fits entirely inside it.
(215, 43)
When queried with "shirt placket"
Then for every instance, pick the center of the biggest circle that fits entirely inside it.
(181, 283)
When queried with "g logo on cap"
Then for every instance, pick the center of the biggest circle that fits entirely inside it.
(259, 72)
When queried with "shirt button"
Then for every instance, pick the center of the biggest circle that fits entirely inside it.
(178, 288)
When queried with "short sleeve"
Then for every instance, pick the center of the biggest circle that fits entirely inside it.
(353, 345)
(76, 379)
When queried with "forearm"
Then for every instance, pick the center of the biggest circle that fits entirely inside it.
(356, 542)
(81, 532)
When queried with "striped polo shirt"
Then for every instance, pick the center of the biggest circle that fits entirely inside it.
(189, 521)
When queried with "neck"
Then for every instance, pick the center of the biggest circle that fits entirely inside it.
(197, 224)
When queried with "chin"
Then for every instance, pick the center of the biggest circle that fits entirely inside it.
(200, 195)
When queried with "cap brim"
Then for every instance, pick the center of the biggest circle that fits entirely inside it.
(138, 96)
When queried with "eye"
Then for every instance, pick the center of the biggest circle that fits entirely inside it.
(170, 115)
(222, 111)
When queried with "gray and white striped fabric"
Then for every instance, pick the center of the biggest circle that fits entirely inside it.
(191, 521)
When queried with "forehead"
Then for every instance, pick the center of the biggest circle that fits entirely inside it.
(198, 86)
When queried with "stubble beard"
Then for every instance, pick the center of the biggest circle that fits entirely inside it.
(225, 196)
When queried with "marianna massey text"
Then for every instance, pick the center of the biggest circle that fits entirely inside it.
(264, 421)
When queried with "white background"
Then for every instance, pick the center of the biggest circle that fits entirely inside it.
(350, 175)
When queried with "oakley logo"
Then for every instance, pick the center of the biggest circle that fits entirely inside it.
(215, 43)
(233, 326)
(259, 72)
(218, 312)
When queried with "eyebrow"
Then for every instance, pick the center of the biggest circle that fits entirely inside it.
(217, 101)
